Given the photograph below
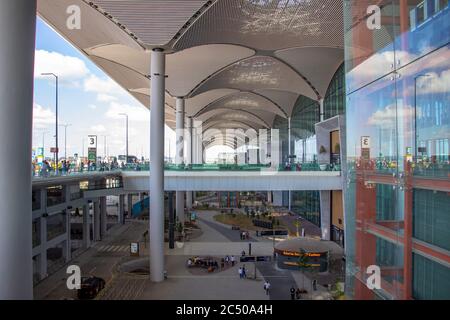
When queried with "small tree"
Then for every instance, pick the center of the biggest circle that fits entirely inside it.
(303, 264)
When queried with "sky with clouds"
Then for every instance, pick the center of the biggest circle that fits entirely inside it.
(89, 101)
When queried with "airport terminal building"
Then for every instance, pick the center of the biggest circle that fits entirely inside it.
(342, 105)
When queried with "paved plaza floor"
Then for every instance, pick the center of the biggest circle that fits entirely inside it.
(218, 240)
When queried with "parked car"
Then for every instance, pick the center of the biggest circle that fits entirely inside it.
(90, 287)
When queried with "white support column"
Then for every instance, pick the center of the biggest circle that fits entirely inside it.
(289, 160)
(322, 110)
(258, 149)
(325, 214)
(198, 142)
(121, 213)
(17, 38)
(86, 226)
(179, 156)
(104, 217)
(275, 154)
(156, 228)
(263, 146)
(96, 226)
(190, 125)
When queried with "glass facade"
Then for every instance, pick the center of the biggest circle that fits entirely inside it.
(334, 101)
(303, 119)
(56, 225)
(281, 124)
(307, 205)
(398, 128)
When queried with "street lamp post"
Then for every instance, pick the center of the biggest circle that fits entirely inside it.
(415, 112)
(126, 115)
(65, 139)
(104, 147)
(56, 112)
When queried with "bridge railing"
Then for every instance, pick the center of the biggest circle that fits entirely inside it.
(311, 166)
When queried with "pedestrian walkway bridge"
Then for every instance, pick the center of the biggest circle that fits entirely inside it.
(264, 179)
(237, 180)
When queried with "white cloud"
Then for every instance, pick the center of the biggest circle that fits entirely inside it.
(102, 97)
(105, 86)
(92, 106)
(98, 128)
(434, 83)
(42, 117)
(135, 113)
(386, 118)
(66, 67)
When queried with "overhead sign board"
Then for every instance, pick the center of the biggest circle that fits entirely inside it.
(365, 147)
(365, 142)
(92, 148)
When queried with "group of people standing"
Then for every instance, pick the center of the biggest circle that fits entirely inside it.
(296, 294)
(229, 259)
(242, 272)
(245, 235)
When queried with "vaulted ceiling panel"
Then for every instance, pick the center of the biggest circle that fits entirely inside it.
(258, 73)
(268, 25)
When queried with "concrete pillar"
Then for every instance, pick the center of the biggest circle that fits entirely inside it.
(17, 38)
(325, 214)
(189, 200)
(86, 226)
(104, 217)
(322, 110)
(198, 142)
(275, 154)
(289, 139)
(121, 212)
(258, 150)
(129, 204)
(235, 150)
(289, 160)
(190, 124)
(179, 157)
(263, 146)
(156, 228)
(96, 226)
(277, 199)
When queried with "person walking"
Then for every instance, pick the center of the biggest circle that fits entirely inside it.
(292, 293)
(267, 287)
(298, 294)
(227, 260)
(232, 261)
(240, 273)
(244, 274)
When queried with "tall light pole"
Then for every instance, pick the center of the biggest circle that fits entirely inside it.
(126, 115)
(65, 139)
(56, 112)
(415, 112)
(43, 141)
(82, 147)
(104, 146)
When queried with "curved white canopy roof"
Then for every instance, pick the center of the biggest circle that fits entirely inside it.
(254, 58)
